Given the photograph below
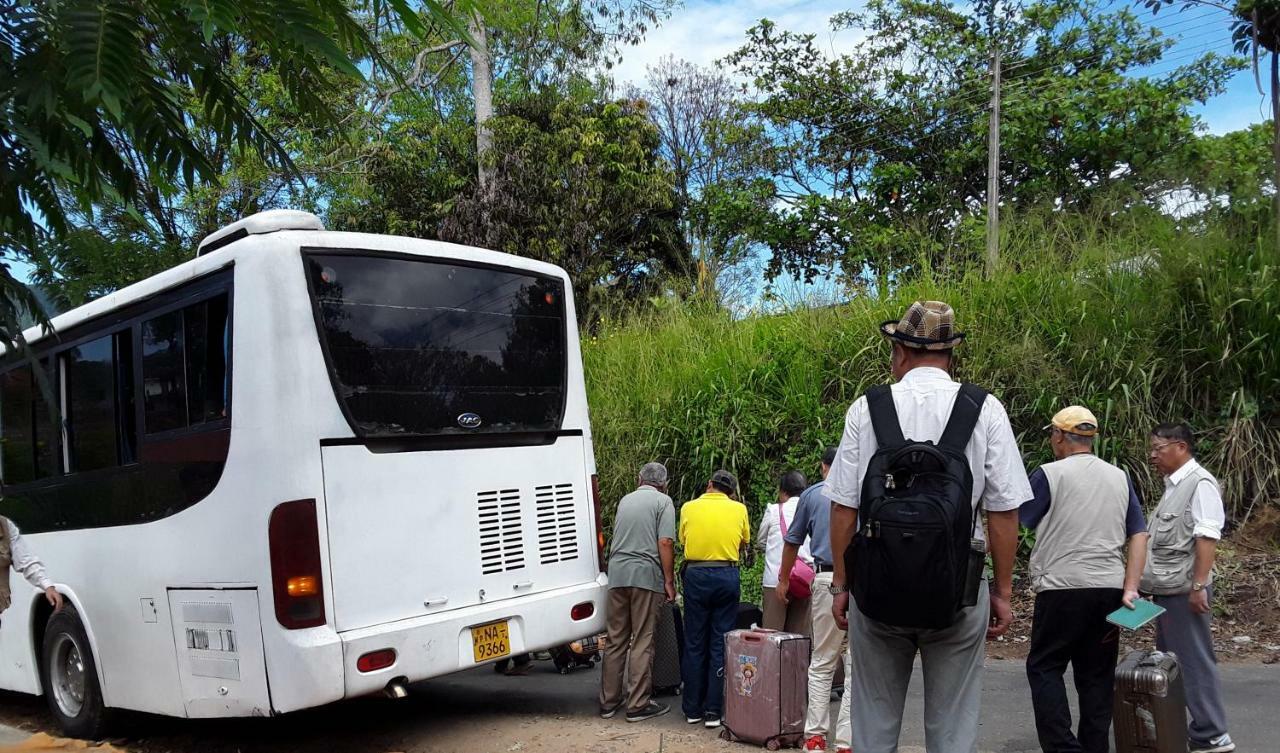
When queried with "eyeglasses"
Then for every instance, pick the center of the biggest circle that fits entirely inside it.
(1156, 447)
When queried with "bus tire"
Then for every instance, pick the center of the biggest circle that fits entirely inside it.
(70, 677)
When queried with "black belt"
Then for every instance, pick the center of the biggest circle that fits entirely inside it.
(710, 563)
(817, 568)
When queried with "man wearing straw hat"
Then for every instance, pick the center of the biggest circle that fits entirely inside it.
(915, 410)
(1085, 513)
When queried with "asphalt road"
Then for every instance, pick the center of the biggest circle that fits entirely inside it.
(481, 712)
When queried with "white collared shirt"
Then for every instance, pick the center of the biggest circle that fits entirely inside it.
(923, 398)
(24, 561)
(769, 538)
(1207, 511)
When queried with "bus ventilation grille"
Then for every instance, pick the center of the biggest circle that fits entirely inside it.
(557, 524)
(501, 532)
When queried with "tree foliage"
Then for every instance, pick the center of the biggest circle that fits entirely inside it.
(881, 153)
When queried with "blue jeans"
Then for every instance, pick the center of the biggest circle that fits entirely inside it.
(710, 610)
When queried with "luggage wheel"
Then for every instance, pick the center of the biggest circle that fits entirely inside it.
(726, 735)
(772, 743)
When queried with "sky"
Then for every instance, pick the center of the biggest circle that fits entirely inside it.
(704, 31)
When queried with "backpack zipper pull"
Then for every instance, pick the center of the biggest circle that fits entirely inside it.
(889, 482)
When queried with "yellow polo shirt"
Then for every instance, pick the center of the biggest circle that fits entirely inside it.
(714, 527)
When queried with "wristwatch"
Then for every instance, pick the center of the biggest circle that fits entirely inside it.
(1197, 585)
(833, 589)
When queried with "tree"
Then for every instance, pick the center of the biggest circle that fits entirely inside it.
(94, 98)
(578, 182)
(879, 156)
(718, 175)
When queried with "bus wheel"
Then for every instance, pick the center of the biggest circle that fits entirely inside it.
(71, 678)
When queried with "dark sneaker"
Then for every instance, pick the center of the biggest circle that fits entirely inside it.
(693, 719)
(711, 721)
(608, 713)
(648, 712)
(1220, 744)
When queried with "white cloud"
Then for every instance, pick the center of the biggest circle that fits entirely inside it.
(704, 31)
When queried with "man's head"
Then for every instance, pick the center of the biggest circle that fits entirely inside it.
(724, 482)
(1172, 445)
(655, 475)
(925, 336)
(828, 459)
(1072, 431)
(790, 485)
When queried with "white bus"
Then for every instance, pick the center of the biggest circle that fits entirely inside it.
(301, 467)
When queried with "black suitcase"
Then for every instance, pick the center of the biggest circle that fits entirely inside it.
(1150, 713)
(668, 648)
(749, 616)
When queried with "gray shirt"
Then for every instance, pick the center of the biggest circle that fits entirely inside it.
(644, 516)
(813, 519)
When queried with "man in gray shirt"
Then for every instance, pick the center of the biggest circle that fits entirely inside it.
(641, 577)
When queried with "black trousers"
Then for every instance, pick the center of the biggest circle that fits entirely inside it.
(1070, 626)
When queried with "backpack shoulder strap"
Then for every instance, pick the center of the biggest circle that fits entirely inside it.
(964, 417)
(884, 416)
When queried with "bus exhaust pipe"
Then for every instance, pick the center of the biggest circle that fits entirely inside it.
(396, 689)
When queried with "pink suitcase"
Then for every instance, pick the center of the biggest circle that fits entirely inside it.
(766, 684)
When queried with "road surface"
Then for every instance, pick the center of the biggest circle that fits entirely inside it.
(544, 712)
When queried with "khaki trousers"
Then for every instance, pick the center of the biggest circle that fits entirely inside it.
(631, 617)
(830, 649)
(791, 617)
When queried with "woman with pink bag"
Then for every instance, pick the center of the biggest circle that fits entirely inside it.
(792, 615)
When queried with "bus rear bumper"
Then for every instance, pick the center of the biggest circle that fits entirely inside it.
(440, 644)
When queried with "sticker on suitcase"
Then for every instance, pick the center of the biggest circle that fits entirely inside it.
(747, 674)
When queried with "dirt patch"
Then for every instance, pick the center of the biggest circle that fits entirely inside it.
(1246, 624)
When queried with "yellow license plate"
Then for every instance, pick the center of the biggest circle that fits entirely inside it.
(492, 641)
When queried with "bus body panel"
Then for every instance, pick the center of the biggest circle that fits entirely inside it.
(416, 533)
(439, 644)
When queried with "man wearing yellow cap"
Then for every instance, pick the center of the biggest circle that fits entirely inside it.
(1084, 512)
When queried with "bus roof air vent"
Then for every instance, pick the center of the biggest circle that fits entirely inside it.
(258, 224)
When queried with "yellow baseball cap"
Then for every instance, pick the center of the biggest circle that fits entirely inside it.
(1075, 419)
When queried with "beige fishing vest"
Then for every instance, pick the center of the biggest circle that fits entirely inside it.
(6, 560)
(1171, 556)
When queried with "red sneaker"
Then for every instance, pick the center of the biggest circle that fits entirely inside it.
(844, 750)
(816, 743)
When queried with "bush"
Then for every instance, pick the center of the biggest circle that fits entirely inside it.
(1127, 313)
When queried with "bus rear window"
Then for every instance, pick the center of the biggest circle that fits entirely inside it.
(423, 347)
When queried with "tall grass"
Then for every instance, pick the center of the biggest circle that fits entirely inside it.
(1126, 313)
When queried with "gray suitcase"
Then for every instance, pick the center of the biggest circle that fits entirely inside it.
(1150, 712)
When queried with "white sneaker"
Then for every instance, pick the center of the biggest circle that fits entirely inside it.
(1220, 744)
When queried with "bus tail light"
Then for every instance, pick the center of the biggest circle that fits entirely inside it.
(296, 582)
(375, 660)
(595, 502)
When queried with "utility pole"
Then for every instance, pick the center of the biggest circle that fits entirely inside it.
(993, 164)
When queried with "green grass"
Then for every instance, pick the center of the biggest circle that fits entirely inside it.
(1192, 335)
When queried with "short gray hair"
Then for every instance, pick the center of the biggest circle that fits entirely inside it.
(654, 474)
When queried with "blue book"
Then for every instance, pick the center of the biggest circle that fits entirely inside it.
(1143, 611)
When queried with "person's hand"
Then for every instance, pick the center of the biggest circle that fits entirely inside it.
(1001, 616)
(670, 587)
(780, 591)
(55, 598)
(1129, 597)
(840, 609)
(1199, 601)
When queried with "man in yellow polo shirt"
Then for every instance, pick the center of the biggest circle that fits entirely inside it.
(714, 530)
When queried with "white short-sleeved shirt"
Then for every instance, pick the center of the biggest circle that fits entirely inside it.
(769, 539)
(1207, 511)
(923, 398)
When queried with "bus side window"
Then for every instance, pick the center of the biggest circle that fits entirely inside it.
(91, 405)
(17, 447)
(184, 366)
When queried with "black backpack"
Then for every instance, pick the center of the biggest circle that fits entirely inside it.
(910, 558)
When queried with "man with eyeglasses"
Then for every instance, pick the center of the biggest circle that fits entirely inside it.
(1184, 531)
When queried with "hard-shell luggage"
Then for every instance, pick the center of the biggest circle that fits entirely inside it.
(766, 683)
(668, 648)
(1150, 713)
(749, 616)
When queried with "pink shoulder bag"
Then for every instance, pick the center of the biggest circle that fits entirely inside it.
(801, 584)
